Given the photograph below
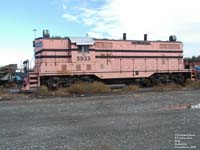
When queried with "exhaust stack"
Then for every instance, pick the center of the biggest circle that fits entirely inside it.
(145, 37)
(46, 34)
(124, 36)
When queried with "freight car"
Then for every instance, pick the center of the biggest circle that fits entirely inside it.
(63, 61)
(9, 75)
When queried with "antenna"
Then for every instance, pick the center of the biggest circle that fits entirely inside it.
(35, 30)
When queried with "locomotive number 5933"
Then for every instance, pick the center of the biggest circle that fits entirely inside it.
(83, 58)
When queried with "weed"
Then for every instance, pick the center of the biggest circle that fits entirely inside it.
(61, 92)
(42, 91)
(192, 84)
(88, 88)
(170, 86)
(131, 88)
(2, 91)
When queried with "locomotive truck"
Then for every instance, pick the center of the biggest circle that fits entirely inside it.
(64, 61)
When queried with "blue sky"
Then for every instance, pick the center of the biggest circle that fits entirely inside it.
(97, 18)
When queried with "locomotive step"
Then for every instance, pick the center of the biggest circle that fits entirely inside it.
(33, 75)
(33, 80)
(33, 85)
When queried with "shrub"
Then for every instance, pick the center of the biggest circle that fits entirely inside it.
(78, 88)
(192, 84)
(42, 90)
(88, 88)
(99, 87)
(169, 86)
(117, 90)
(131, 88)
(2, 91)
(172, 86)
(61, 92)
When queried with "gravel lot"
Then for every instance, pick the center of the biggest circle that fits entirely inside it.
(139, 121)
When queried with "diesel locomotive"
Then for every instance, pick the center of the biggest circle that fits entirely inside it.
(64, 61)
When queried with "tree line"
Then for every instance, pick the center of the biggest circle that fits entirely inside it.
(192, 59)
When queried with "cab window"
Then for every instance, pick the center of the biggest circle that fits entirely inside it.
(83, 48)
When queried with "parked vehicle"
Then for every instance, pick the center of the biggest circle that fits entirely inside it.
(9, 75)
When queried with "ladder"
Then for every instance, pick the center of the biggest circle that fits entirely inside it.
(34, 80)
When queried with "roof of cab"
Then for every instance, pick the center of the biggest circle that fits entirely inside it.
(82, 40)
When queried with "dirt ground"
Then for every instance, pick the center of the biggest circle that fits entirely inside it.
(134, 121)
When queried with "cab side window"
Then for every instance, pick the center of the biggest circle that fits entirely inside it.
(83, 48)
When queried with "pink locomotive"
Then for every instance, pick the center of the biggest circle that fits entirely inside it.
(63, 61)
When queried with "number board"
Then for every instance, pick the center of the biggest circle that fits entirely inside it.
(83, 58)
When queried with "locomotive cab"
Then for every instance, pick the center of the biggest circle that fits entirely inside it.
(83, 54)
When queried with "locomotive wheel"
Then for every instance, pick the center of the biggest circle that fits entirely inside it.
(148, 83)
(145, 82)
(155, 79)
(180, 79)
(53, 83)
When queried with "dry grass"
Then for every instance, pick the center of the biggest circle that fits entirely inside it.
(99, 87)
(88, 88)
(188, 84)
(42, 91)
(60, 92)
(2, 91)
(5, 95)
(131, 88)
(170, 86)
(117, 90)
(192, 84)
(79, 88)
